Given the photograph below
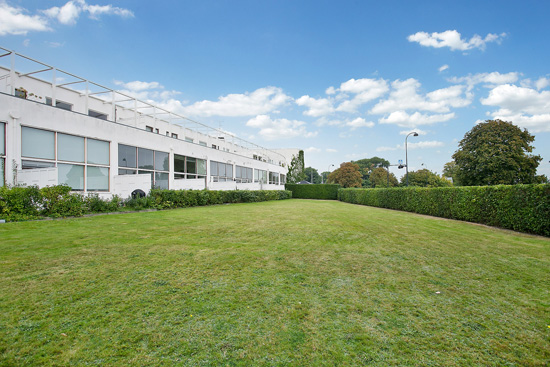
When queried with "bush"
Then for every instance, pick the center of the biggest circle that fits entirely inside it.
(165, 199)
(323, 191)
(523, 208)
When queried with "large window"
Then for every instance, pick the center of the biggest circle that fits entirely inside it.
(188, 167)
(132, 160)
(82, 163)
(243, 174)
(260, 176)
(2, 152)
(273, 178)
(221, 172)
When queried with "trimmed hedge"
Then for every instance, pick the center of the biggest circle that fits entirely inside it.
(25, 203)
(313, 191)
(523, 208)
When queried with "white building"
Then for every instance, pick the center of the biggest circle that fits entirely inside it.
(58, 128)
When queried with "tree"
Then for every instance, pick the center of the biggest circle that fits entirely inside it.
(324, 176)
(366, 166)
(347, 175)
(379, 178)
(425, 178)
(312, 175)
(496, 152)
(296, 168)
(450, 170)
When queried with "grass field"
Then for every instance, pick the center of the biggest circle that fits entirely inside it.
(285, 283)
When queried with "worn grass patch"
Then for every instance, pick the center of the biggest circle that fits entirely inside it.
(294, 282)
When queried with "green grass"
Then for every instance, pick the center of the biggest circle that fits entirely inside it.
(293, 282)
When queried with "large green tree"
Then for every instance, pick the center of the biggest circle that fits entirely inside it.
(425, 178)
(380, 177)
(296, 168)
(347, 175)
(496, 152)
(367, 165)
(450, 170)
(312, 175)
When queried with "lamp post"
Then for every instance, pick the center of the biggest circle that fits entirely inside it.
(414, 133)
(332, 165)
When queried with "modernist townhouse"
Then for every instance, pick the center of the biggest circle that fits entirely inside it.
(58, 128)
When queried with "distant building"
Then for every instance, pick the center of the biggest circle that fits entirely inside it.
(69, 130)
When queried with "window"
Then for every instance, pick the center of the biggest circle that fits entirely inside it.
(175, 136)
(127, 156)
(202, 143)
(36, 143)
(188, 139)
(149, 128)
(273, 178)
(157, 131)
(80, 168)
(98, 115)
(59, 104)
(243, 174)
(98, 152)
(188, 167)
(260, 176)
(152, 162)
(70, 148)
(221, 172)
(283, 179)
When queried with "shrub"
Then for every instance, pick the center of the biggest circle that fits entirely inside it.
(523, 208)
(323, 191)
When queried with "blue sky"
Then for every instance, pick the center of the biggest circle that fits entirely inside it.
(343, 80)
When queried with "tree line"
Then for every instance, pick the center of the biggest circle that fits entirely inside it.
(494, 152)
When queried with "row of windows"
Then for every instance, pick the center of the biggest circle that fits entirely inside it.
(82, 163)
(221, 172)
(243, 174)
(188, 167)
(133, 160)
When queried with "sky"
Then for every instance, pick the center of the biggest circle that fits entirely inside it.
(342, 80)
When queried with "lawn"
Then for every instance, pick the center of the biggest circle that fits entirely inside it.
(282, 283)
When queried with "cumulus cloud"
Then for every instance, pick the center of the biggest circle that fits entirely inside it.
(69, 13)
(403, 119)
(137, 86)
(316, 107)
(523, 106)
(453, 40)
(490, 80)
(413, 145)
(365, 90)
(359, 122)
(16, 21)
(259, 102)
(405, 96)
(279, 128)
(443, 68)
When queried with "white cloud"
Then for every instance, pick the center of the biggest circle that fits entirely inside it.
(312, 150)
(405, 96)
(542, 83)
(330, 91)
(70, 12)
(416, 130)
(489, 79)
(15, 21)
(403, 119)
(413, 145)
(453, 40)
(330, 150)
(317, 107)
(523, 106)
(137, 86)
(279, 128)
(365, 90)
(359, 122)
(443, 68)
(261, 101)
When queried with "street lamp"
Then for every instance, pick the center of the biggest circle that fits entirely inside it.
(414, 133)
(332, 165)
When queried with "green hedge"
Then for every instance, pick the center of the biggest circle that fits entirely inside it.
(311, 191)
(523, 208)
(25, 203)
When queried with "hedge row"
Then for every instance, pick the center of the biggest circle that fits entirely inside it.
(523, 208)
(25, 203)
(324, 191)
